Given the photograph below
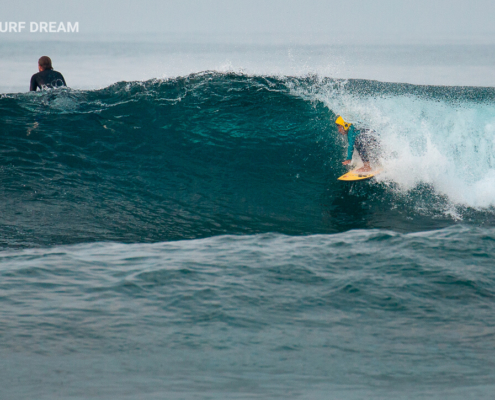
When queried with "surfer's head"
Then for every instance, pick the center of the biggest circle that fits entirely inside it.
(342, 126)
(340, 122)
(45, 63)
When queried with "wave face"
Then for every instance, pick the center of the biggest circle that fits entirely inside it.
(211, 154)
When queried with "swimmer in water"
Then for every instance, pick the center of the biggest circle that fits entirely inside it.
(47, 77)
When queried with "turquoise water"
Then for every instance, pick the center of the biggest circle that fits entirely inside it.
(187, 238)
(366, 313)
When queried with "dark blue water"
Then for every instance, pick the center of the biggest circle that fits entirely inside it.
(188, 238)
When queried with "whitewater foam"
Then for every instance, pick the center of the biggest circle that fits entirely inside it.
(445, 142)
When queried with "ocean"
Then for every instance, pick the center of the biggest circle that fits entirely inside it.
(177, 231)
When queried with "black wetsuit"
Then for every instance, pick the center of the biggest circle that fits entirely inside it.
(47, 78)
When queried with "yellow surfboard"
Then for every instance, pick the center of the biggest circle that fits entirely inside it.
(359, 176)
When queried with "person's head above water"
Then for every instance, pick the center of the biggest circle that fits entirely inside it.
(342, 126)
(44, 63)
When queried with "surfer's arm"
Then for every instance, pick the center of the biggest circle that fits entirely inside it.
(33, 85)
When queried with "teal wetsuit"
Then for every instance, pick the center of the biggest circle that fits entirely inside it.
(351, 138)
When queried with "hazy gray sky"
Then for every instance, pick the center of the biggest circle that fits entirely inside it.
(395, 20)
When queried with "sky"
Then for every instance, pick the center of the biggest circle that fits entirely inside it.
(390, 21)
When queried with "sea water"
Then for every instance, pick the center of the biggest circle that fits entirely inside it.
(177, 230)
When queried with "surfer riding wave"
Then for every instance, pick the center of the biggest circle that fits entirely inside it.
(365, 142)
